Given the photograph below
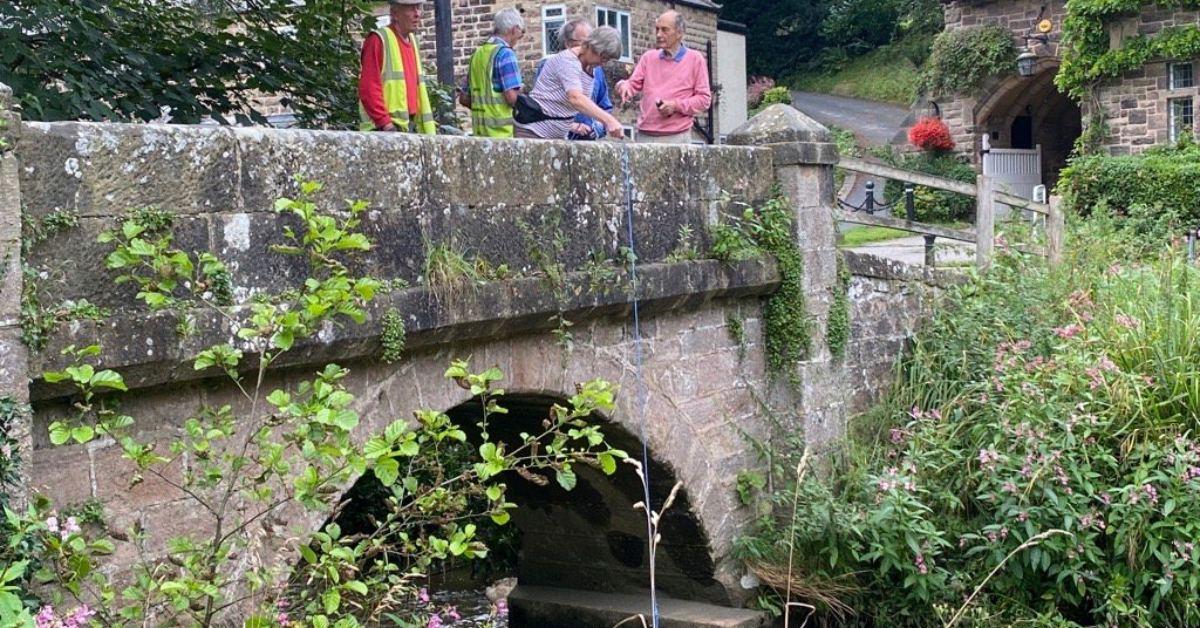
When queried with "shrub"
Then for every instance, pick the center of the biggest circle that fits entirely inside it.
(1044, 427)
(931, 134)
(1162, 176)
(755, 90)
(777, 96)
(962, 59)
(932, 205)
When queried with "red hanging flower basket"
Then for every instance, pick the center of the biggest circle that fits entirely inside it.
(931, 134)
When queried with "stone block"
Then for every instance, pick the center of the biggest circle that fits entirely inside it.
(70, 265)
(388, 170)
(119, 481)
(64, 474)
(469, 171)
(97, 170)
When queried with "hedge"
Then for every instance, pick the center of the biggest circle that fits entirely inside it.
(1168, 177)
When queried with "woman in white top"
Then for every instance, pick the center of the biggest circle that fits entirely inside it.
(564, 88)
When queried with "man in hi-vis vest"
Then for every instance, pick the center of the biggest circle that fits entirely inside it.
(494, 81)
(391, 90)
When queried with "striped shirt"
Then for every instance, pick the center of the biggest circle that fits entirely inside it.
(561, 73)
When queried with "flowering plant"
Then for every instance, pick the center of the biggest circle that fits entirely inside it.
(1037, 462)
(931, 134)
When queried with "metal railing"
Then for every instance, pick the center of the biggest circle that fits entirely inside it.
(987, 197)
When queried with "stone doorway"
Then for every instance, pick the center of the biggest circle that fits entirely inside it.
(1028, 112)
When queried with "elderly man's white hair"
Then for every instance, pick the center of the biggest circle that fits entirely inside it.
(566, 32)
(507, 20)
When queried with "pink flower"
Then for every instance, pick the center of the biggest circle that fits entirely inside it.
(501, 608)
(423, 595)
(1126, 321)
(435, 621)
(897, 435)
(45, 617)
(282, 619)
(919, 561)
(1022, 516)
(52, 526)
(70, 527)
(1009, 487)
(452, 614)
(79, 618)
(1069, 331)
(988, 458)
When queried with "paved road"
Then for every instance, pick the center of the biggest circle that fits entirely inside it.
(911, 250)
(874, 122)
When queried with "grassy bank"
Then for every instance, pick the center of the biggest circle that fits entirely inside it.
(1036, 463)
(882, 75)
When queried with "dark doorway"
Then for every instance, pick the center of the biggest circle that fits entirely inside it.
(1022, 132)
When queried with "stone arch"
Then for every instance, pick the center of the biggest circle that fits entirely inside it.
(1054, 119)
(591, 538)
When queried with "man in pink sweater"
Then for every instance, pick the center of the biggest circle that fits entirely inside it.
(673, 82)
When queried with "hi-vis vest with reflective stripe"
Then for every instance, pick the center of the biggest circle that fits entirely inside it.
(491, 115)
(395, 90)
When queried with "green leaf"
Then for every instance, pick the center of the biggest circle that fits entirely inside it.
(54, 377)
(357, 586)
(83, 433)
(59, 433)
(494, 492)
(566, 478)
(81, 374)
(331, 600)
(376, 447)
(409, 448)
(387, 470)
(501, 518)
(308, 554)
(108, 379)
(607, 463)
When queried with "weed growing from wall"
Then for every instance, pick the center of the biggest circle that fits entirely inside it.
(394, 336)
(787, 325)
(837, 330)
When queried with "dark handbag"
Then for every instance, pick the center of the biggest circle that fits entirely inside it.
(527, 111)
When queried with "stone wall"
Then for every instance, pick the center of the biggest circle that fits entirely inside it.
(1134, 105)
(499, 200)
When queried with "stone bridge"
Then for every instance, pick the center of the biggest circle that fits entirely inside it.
(704, 369)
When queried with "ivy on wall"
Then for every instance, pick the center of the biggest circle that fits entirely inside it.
(1086, 57)
(964, 58)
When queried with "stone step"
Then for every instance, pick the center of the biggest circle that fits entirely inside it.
(552, 607)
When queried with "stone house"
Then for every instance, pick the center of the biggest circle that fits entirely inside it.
(472, 24)
(1021, 121)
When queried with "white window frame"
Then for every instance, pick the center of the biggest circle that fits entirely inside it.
(1172, 126)
(557, 20)
(626, 34)
(1171, 74)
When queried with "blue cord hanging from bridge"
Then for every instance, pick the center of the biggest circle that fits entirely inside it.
(639, 382)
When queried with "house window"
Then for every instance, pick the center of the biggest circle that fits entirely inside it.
(1181, 75)
(1180, 117)
(553, 17)
(620, 21)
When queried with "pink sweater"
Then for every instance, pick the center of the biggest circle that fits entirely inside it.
(683, 78)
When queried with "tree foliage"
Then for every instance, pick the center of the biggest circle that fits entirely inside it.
(125, 60)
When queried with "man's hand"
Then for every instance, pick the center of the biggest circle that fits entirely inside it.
(668, 108)
(624, 91)
(389, 127)
(614, 128)
(582, 130)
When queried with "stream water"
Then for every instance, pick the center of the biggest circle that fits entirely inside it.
(472, 607)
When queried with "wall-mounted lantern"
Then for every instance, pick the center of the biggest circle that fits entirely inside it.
(1027, 60)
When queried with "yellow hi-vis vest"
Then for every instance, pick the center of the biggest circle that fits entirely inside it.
(491, 115)
(395, 90)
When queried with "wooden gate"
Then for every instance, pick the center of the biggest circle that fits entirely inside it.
(1014, 170)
